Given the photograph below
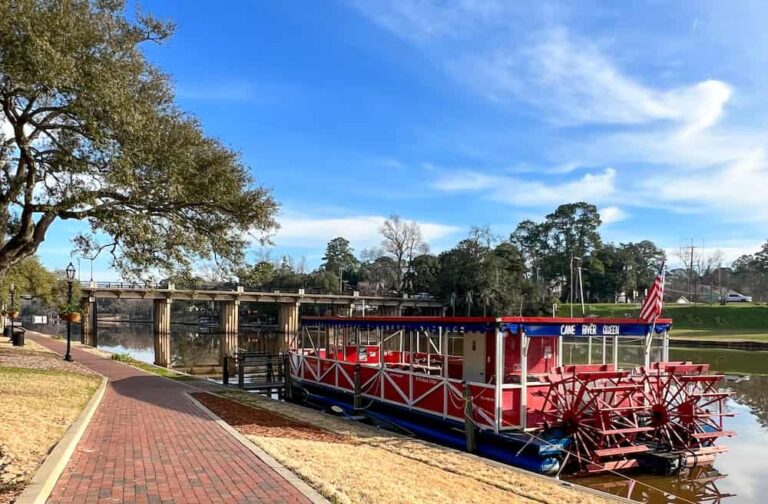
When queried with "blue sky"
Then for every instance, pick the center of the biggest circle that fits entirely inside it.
(488, 112)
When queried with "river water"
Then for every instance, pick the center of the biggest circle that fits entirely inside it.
(739, 475)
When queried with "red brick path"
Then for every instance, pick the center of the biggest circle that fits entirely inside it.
(148, 443)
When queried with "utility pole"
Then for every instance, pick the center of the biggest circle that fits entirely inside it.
(690, 274)
(581, 292)
(570, 285)
(720, 280)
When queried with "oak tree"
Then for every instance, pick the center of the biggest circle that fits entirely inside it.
(89, 130)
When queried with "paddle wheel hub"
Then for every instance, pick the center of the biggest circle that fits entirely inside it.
(659, 415)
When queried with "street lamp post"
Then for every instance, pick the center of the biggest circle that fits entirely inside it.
(12, 288)
(70, 276)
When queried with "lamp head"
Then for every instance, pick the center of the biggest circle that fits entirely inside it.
(70, 272)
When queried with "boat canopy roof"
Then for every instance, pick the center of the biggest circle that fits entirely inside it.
(532, 326)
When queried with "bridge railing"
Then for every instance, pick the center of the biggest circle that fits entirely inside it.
(203, 287)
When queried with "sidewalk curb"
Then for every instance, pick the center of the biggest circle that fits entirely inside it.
(41, 485)
(309, 492)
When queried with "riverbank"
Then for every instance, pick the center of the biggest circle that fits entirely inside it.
(41, 396)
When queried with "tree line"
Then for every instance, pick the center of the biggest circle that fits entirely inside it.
(559, 259)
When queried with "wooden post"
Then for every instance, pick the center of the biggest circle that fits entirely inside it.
(240, 371)
(469, 421)
(358, 393)
(288, 378)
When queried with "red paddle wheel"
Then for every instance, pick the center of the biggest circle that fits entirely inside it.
(598, 409)
(685, 407)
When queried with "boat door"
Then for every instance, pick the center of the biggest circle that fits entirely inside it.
(474, 357)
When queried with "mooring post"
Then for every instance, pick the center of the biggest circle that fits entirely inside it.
(240, 370)
(469, 421)
(288, 379)
(358, 394)
(225, 371)
(270, 369)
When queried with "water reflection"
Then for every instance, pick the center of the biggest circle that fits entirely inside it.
(193, 348)
(697, 485)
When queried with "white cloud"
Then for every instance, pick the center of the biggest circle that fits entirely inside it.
(612, 214)
(597, 187)
(728, 250)
(734, 191)
(426, 20)
(576, 83)
(511, 51)
(361, 230)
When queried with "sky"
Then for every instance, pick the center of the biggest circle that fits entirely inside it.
(472, 113)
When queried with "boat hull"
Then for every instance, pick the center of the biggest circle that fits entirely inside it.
(516, 449)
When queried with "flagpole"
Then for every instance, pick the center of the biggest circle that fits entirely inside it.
(653, 325)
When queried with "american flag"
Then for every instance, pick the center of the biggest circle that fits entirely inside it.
(651, 309)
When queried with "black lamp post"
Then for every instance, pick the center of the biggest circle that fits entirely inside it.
(70, 276)
(12, 288)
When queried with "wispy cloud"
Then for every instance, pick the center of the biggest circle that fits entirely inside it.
(511, 52)
(735, 191)
(594, 187)
(664, 140)
(361, 230)
(572, 79)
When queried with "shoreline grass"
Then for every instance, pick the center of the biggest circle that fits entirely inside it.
(151, 368)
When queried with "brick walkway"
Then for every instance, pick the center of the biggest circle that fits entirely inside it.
(148, 443)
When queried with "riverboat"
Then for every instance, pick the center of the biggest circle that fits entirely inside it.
(498, 386)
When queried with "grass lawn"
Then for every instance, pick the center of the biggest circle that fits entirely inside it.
(40, 396)
(731, 322)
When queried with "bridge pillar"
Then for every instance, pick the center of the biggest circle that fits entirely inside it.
(287, 323)
(228, 329)
(162, 332)
(88, 326)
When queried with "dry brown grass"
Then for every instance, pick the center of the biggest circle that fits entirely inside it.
(380, 467)
(37, 404)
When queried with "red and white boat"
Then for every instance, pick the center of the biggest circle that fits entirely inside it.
(500, 385)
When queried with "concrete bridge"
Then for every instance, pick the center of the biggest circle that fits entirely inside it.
(229, 301)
